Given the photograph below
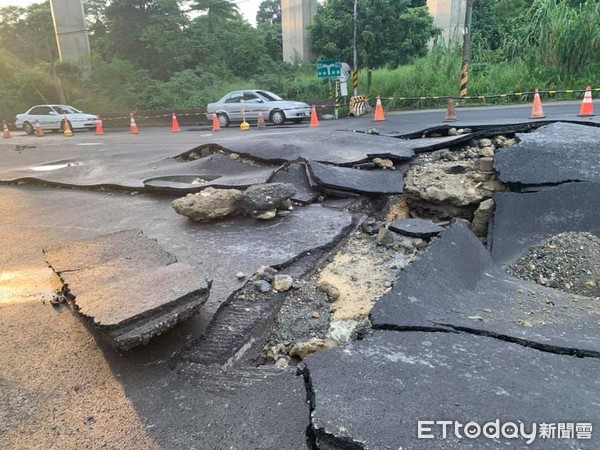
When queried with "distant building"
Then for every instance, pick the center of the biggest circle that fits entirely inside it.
(449, 15)
(295, 16)
(71, 31)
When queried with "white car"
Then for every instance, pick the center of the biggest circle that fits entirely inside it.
(52, 117)
(275, 109)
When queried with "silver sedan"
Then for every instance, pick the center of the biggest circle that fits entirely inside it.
(52, 117)
(276, 110)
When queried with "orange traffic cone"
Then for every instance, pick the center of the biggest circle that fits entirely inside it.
(379, 111)
(68, 132)
(175, 127)
(451, 111)
(99, 128)
(216, 124)
(6, 130)
(314, 120)
(133, 129)
(38, 129)
(261, 121)
(537, 112)
(587, 107)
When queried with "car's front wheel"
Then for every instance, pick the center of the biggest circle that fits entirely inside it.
(223, 120)
(277, 117)
(29, 129)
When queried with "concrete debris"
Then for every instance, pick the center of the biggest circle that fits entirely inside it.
(384, 163)
(303, 349)
(259, 201)
(448, 189)
(208, 204)
(481, 217)
(282, 283)
(262, 286)
(332, 292)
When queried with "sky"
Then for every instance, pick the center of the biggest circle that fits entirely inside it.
(248, 8)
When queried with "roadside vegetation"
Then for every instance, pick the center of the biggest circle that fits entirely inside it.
(168, 54)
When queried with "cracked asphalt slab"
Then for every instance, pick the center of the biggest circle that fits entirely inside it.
(327, 146)
(525, 219)
(150, 397)
(456, 285)
(146, 167)
(372, 393)
(556, 153)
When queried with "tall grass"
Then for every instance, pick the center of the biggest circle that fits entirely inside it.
(562, 39)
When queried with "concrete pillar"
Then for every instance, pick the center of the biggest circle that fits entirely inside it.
(71, 32)
(295, 16)
(449, 15)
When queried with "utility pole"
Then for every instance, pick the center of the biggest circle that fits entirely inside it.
(464, 76)
(355, 74)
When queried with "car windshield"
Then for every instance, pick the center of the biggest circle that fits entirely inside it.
(64, 109)
(269, 96)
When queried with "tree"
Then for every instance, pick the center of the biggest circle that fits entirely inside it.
(269, 13)
(145, 32)
(268, 20)
(390, 32)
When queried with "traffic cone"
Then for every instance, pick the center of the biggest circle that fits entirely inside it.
(38, 129)
(175, 127)
(587, 107)
(261, 121)
(133, 129)
(379, 111)
(314, 120)
(6, 130)
(537, 112)
(451, 111)
(68, 132)
(99, 128)
(216, 124)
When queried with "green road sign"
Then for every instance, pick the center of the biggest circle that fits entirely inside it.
(329, 69)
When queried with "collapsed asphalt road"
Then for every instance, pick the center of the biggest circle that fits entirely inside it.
(451, 337)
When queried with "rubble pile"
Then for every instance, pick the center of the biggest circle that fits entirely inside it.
(567, 261)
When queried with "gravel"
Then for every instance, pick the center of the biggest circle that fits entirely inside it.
(567, 261)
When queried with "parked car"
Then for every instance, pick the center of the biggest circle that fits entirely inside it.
(274, 108)
(52, 117)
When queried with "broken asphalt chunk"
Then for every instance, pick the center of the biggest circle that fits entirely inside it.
(420, 228)
(370, 182)
(455, 284)
(558, 153)
(523, 220)
(127, 286)
(371, 394)
(295, 174)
